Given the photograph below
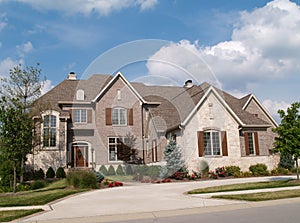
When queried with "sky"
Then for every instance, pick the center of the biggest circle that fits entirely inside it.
(240, 46)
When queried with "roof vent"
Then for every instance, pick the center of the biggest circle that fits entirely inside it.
(188, 84)
(72, 76)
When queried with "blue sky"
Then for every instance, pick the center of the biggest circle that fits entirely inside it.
(241, 46)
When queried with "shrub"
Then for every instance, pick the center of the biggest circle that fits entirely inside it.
(39, 175)
(82, 179)
(111, 171)
(99, 176)
(37, 184)
(221, 172)
(28, 173)
(246, 174)
(233, 170)
(120, 171)
(128, 170)
(153, 171)
(259, 169)
(203, 168)
(50, 173)
(283, 171)
(286, 161)
(23, 187)
(103, 170)
(60, 173)
(141, 170)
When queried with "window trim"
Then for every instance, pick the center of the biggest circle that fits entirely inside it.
(211, 131)
(56, 115)
(119, 116)
(80, 116)
(115, 144)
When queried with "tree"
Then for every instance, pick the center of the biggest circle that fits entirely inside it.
(126, 149)
(24, 85)
(15, 133)
(173, 158)
(288, 133)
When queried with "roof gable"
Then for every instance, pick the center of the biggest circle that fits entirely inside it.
(251, 98)
(119, 75)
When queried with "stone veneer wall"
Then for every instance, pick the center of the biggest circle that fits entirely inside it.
(217, 118)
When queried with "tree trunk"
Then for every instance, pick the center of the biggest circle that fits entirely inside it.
(22, 170)
(15, 176)
(297, 168)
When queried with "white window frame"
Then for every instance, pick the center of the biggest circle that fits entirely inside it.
(114, 145)
(117, 121)
(212, 148)
(82, 117)
(54, 114)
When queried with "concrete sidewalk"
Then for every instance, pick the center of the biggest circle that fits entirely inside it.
(140, 201)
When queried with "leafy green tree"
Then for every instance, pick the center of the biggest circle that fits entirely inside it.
(23, 84)
(15, 133)
(288, 133)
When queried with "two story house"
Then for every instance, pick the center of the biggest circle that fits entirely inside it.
(88, 123)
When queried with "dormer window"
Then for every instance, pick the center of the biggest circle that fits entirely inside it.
(80, 95)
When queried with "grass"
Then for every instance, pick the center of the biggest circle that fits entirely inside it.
(6, 216)
(42, 196)
(125, 178)
(246, 186)
(262, 196)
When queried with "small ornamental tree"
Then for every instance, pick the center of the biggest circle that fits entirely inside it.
(60, 173)
(173, 158)
(288, 133)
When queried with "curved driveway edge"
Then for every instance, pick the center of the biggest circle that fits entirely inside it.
(143, 201)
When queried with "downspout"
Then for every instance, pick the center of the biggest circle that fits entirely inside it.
(66, 138)
(143, 144)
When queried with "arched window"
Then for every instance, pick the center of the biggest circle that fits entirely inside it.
(119, 116)
(80, 95)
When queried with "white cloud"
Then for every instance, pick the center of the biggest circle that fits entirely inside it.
(3, 21)
(47, 86)
(24, 48)
(274, 106)
(102, 7)
(264, 45)
(180, 62)
(7, 64)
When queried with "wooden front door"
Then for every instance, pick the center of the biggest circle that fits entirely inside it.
(80, 153)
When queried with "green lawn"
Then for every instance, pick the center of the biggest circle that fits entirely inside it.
(262, 196)
(6, 216)
(42, 196)
(246, 186)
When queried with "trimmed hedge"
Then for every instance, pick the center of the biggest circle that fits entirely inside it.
(50, 173)
(103, 170)
(111, 171)
(120, 171)
(60, 173)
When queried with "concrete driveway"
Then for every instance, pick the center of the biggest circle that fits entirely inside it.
(136, 199)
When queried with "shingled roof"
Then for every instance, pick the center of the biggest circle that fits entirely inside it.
(175, 103)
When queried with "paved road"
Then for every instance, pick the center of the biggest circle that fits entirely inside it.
(138, 201)
(288, 213)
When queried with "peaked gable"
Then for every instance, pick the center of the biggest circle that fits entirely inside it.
(253, 98)
(119, 75)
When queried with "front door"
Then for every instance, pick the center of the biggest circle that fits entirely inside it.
(80, 153)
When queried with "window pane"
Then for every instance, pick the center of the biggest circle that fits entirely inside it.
(115, 116)
(111, 140)
(76, 115)
(251, 143)
(83, 115)
(207, 143)
(46, 121)
(122, 116)
(53, 137)
(216, 143)
(112, 154)
(53, 121)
